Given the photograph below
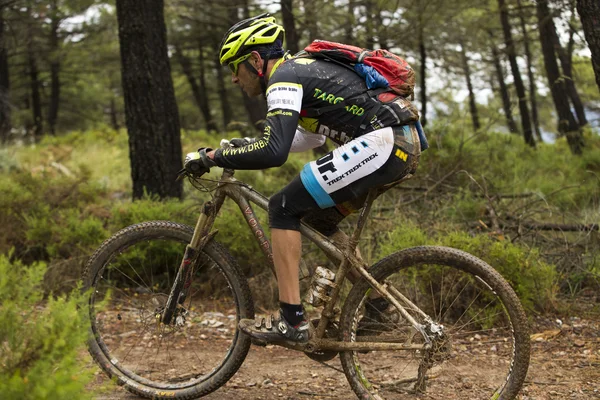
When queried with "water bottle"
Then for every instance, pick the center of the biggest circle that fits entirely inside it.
(321, 284)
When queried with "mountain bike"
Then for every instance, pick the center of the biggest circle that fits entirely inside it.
(165, 301)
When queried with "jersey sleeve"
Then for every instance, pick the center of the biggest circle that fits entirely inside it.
(284, 101)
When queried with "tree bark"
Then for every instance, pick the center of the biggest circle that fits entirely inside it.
(54, 69)
(467, 72)
(512, 57)
(150, 108)
(532, 86)
(370, 31)
(589, 10)
(567, 69)
(291, 36)
(198, 92)
(382, 33)
(36, 102)
(423, 74)
(226, 112)
(506, 106)
(114, 119)
(311, 16)
(350, 22)
(567, 124)
(5, 111)
(256, 108)
(211, 124)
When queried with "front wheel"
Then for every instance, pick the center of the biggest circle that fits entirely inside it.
(130, 277)
(479, 331)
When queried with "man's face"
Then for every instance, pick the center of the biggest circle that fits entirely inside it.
(246, 79)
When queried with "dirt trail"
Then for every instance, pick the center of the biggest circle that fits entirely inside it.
(565, 364)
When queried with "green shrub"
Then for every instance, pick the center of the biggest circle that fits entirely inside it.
(147, 209)
(534, 281)
(41, 342)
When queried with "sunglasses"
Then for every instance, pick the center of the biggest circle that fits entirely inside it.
(234, 65)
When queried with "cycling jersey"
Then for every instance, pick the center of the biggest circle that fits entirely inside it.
(301, 88)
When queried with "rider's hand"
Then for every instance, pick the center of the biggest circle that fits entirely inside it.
(197, 162)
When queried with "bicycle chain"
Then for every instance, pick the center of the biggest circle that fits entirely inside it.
(331, 366)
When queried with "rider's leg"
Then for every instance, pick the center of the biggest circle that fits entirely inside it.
(318, 188)
(287, 246)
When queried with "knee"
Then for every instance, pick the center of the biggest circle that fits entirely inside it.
(282, 214)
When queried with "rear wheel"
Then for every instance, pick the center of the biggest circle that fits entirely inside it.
(130, 277)
(480, 336)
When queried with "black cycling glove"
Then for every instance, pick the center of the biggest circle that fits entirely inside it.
(197, 162)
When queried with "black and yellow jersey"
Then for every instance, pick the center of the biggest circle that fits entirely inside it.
(323, 98)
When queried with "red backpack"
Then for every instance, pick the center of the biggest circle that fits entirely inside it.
(380, 68)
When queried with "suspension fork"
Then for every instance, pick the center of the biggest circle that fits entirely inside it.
(200, 238)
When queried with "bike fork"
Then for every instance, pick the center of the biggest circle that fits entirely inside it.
(183, 280)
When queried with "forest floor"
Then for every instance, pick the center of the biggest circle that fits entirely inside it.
(565, 364)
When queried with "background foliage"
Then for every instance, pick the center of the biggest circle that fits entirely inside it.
(65, 182)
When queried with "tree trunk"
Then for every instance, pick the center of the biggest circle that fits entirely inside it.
(36, 102)
(472, 103)
(350, 22)
(291, 36)
(532, 86)
(567, 124)
(512, 57)
(114, 119)
(256, 107)
(211, 124)
(198, 92)
(510, 121)
(5, 111)
(150, 108)
(370, 32)
(423, 91)
(567, 69)
(257, 110)
(311, 16)
(222, 91)
(54, 70)
(382, 33)
(589, 10)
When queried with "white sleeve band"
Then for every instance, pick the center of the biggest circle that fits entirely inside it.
(305, 141)
(284, 96)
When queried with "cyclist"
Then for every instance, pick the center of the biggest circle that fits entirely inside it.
(377, 138)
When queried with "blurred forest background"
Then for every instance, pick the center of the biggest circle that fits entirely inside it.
(508, 92)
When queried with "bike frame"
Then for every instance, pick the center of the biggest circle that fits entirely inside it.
(243, 195)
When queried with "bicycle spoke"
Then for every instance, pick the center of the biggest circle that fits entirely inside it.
(125, 307)
(460, 307)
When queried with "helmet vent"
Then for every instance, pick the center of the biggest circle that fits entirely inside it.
(270, 31)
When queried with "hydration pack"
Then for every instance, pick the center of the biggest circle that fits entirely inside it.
(380, 68)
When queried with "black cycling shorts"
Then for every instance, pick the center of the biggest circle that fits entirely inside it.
(336, 184)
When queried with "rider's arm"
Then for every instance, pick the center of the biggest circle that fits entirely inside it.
(284, 99)
(304, 140)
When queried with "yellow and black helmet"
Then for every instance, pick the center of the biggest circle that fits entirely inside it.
(259, 30)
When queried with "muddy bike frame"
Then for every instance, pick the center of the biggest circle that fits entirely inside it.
(243, 194)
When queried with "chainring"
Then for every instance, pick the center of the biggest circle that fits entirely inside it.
(332, 332)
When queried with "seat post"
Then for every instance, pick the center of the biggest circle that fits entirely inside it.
(362, 219)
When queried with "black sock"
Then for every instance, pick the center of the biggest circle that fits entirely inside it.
(293, 313)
